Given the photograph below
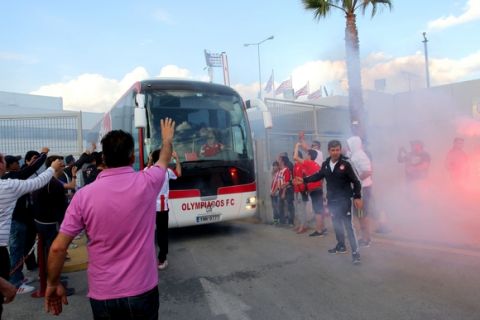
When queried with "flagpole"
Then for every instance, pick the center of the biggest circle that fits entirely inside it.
(273, 85)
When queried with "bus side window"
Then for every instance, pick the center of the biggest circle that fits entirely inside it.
(238, 139)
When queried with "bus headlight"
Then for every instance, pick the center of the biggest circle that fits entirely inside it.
(251, 203)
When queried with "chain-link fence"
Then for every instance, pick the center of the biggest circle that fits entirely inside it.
(318, 122)
(61, 132)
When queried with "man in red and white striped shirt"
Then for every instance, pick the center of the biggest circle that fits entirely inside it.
(163, 209)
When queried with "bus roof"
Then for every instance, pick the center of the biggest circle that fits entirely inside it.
(180, 84)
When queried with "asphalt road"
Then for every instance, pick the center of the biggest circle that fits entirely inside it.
(243, 270)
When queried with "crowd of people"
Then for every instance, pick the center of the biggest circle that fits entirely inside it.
(121, 230)
(118, 241)
(329, 185)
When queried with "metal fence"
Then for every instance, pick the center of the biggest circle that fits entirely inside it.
(318, 122)
(61, 132)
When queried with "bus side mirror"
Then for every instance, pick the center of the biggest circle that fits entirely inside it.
(140, 115)
(140, 99)
(140, 118)
(261, 106)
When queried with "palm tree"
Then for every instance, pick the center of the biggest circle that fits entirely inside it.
(321, 8)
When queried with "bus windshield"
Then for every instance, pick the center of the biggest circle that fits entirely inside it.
(209, 126)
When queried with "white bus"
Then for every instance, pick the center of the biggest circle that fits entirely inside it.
(212, 140)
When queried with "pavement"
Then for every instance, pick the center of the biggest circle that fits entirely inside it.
(78, 256)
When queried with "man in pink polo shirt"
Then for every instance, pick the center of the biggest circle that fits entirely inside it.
(117, 211)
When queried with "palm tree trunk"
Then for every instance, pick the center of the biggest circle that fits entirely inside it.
(354, 77)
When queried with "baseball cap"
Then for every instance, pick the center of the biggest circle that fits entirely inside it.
(12, 159)
(69, 159)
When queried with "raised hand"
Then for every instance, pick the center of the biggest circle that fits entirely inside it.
(167, 127)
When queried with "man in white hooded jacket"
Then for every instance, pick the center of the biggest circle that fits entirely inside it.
(363, 165)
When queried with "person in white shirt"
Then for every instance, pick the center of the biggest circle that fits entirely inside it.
(363, 165)
(162, 207)
(10, 191)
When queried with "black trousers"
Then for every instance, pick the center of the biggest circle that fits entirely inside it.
(342, 219)
(142, 307)
(4, 271)
(162, 235)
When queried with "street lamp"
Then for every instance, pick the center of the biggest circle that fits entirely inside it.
(427, 73)
(259, 68)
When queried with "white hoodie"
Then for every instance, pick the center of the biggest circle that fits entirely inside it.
(360, 159)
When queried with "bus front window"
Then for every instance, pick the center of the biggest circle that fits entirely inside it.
(208, 126)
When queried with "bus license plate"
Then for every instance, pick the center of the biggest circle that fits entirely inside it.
(208, 218)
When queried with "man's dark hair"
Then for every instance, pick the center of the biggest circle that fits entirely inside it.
(117, 146)
(97, 157)
(30, 154)
(50, 159)
(155, 155)
(334, 144)
(316, 142)
(286, 161)
(275, 163)
(312, 153)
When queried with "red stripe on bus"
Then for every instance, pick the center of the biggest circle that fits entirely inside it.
(177, 194)
(195, 193)
(238, 189)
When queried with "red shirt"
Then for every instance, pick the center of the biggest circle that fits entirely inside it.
(310, 167)
(298, 172)
(211, 150)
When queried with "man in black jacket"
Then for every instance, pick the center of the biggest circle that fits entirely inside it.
(340, 176)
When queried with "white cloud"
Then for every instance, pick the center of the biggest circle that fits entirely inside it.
(173, 71)
(94, 92)
(401, 73)
(471, 13)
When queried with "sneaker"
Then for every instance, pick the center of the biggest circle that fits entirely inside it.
(27, 280)
(364, 243)
(338, 249)
(163, 266)
(319, 234)
(356, 258)
(276, 222)
(25, 288)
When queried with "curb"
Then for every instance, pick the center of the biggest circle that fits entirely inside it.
(78, 256)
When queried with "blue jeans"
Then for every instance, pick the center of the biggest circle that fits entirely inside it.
(142, 307)
(18, 233)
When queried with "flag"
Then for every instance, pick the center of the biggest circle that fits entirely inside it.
(287, 84)
(315, 95)
(302, 91)
(213, 59)
(269, 86)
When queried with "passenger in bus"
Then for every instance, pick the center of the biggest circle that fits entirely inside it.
(211, 147)
(163, 209)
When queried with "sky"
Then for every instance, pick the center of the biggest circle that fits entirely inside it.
(90, 52)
